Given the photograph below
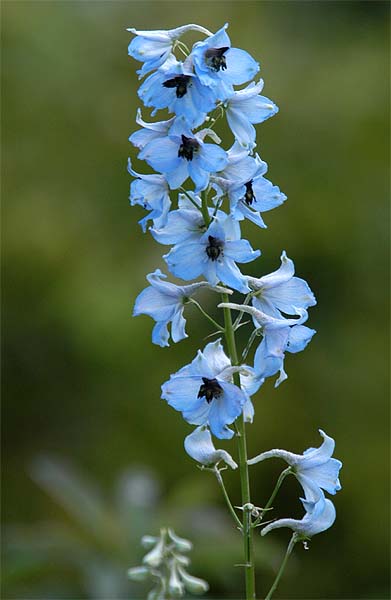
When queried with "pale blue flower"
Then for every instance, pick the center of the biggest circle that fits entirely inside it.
(184, 154)
(200, 447)
(319, 516)
(202, 391)
(150, 131)
(249, 192)
(279, 336)
(281, 292)
(244, 109)
(151, 192)
(219, 66)
(315, 468)
(186, 224)
(213, 255)
(165, 302)
(153, 48)
(177, 88)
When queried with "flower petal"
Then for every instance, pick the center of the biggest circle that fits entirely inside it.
(199, 446)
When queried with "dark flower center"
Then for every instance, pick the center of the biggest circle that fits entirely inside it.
(188, 147)
(180, 83)
(214, 247)
(249, 195)
(215, 59)
(210, 389)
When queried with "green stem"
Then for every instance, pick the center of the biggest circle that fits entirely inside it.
(288, 552)
(204, 209)
(243, 467)
(211, 319)
(274, 494)
(228, 501)
(190, 198)
(241, 313)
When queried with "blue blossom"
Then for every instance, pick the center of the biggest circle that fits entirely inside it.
(279, 336)
(249, 192)
(150, 131)
(165, 302)
(202, 391)
(213, 255)
(177, 88)
(150, 192)
(281, 292)
(319, 516)
(184, 154)
(200, 447)
(219, 66)
(153, 48)
(186, 224)
(315, 468)
(244, 109)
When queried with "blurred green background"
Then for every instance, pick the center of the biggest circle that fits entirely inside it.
(92, 458)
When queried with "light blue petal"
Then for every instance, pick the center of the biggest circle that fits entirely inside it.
(326, 475)
(229, 273)
(299, 337)
(241, 127)
(215, 357)
(240, 251)
(156, 304)
(178, 332)
(186, 261)
(181, 393)
(160, 334)
(291, 295)
(212, 158)
(198, 175)
(200, 447)
(241, 67)
(162, 155)
(182, 225)
(225, 409)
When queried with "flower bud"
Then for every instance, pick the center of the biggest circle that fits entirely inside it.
(181, 544)
(175, 585)
(148, 541)
(138, 573)
(155, 556)
(193, 585)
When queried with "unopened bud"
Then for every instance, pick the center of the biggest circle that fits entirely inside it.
(181, 544)
(175, 585)
(155, 556)
(193, 585)
(148, 541)
(138, 573)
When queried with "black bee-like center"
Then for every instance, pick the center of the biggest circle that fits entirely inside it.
(180, 83)
(249, 196)
(215, 59)
(188, 147)
(210, 389)
(214, 247)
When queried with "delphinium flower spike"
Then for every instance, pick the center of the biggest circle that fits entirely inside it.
(200, 191)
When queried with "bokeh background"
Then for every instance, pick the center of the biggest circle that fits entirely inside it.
(92, 458)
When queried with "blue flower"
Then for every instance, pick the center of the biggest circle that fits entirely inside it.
(186, 224)
(319, 516)
(213, 255)
(165, 302)
(175, 87)
(219, 66)
(150, 192)
(150, 131)
(184, 154)
(244, 109)
(200, 447)
(280, 291)
(153, 48)
(248, 191)
(279, 336)
(315, 468)
(203, 393)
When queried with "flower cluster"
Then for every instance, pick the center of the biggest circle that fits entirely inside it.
(165, 565)
(196, 199)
